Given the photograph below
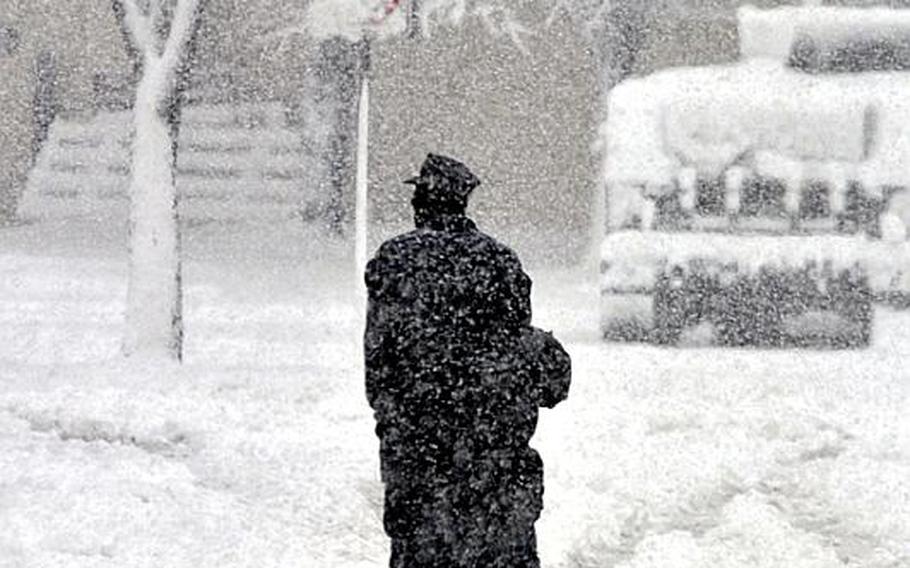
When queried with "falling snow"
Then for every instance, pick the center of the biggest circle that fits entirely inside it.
(200, 368)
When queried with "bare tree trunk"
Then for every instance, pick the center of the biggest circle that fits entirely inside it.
(44, 103)
(154, 314)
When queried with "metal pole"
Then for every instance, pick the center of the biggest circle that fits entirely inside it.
(413, 29)
(361, 206)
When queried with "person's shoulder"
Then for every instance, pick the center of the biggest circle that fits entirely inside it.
(400, 247)
(493, 245)
(539, 339)
(390, 258)
(415, 239)
(398, 242)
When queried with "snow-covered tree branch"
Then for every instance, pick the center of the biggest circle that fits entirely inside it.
(354, 18)
(183, 28)
(137, 24)
(163, 32)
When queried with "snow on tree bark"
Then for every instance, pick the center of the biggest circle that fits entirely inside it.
(154, 295)
(384, 18)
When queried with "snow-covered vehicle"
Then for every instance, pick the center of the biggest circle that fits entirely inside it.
(765, 201)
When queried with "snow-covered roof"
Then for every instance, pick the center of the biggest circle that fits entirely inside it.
(761, 108)
(771, 33)
(759, 113)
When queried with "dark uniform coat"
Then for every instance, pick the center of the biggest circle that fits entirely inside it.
(455, 374)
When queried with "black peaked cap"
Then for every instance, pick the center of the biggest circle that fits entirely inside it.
(454, 175)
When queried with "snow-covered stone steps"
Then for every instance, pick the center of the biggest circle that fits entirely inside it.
(86, 155)
(194, 157)
(235, 161)
(80, 183)
(109, 199)
(240, 114)
(202, 187)
(204, 137)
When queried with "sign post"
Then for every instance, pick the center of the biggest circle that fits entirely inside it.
(361, 204)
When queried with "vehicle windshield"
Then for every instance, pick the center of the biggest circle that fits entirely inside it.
(854, 55)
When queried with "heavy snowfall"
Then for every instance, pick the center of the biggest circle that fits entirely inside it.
(189, 392)
(259, 450)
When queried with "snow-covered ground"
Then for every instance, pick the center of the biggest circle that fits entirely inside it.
(259, 450)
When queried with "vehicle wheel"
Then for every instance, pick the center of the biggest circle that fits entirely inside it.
(669, 309)
(626, 316)
(851, 296)
(680, 304)
(747, 312)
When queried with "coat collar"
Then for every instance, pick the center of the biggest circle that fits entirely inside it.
(447, 222)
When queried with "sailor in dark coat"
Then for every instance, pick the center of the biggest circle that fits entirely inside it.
(455, 374)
